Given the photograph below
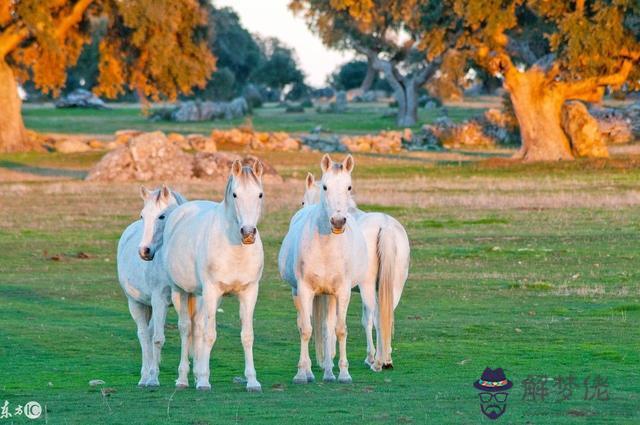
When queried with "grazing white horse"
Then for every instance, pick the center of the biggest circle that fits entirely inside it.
(322, 257)
(214, 249)
(388, 255)
(143, 277)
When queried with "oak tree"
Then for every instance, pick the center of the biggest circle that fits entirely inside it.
(155, 47)
(387, 32)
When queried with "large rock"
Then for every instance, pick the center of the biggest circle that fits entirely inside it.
(615, 125)
(468, 135)
(583, 131)
(152, 156)
(206, 111)
(324, 143)
(149, 156)
(72, 146)
(216, 166)
(237, 108)
(80, 98)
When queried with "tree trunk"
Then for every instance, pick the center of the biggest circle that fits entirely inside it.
(538, 109)
(407, 104)
(368, 79)
(13, 136)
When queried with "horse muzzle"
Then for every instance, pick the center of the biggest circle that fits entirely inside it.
(248, 234)
(145, 253)
(338, 225)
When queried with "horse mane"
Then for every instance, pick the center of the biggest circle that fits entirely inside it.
(246, 174)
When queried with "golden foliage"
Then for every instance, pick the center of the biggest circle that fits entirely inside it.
(152, 46)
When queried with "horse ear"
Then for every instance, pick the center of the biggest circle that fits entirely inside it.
(348, 163)
(310, 180)
(258, 168)
(165, 193)
(236, 168)
(325, 163)
(144, 193)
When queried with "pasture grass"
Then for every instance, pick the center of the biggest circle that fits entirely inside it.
(528, 268)
(360, 118)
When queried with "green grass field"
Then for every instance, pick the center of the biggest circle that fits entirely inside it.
(361, 118)
(528, 268)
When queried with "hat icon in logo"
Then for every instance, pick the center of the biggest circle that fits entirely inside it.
(493, 386)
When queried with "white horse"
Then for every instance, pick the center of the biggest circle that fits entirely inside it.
(322, 257)
(214, 249)
(388, 255)
(143, 277)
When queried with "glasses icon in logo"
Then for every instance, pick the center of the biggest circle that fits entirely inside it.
(499, 397)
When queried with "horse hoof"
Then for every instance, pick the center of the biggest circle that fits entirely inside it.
(304, 380)
(329, 379)
(181, 386)
(345, 380)
(203, 388)
(142, 385)
(387, 366)
(254, 388)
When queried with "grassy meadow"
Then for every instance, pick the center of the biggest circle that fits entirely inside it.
(532, 268)
(361, 118)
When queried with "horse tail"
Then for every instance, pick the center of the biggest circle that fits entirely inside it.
(192, 308)
(319, 316)
(387, 256)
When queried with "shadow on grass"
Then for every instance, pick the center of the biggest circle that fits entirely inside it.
(43, 171)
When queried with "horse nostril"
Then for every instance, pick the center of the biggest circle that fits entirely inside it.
(248, 230)
(146, 250)
(338, 222)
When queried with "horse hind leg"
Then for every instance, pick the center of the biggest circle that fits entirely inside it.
(181, 304)
(141, 314)
(369, 307)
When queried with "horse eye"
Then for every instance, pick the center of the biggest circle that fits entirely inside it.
(260, 196)
(349, 188)
(141, 216)
(324, 186)
(303, 203)
(161, 217)
(234, 195)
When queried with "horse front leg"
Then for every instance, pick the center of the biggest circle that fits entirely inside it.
(304, 304)
(180, 303)
(210, 299)
(247, 300)
(344, 295)
(159, 306)
(330, 339)
(140, 314)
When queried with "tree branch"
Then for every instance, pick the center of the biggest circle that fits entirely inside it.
(73, 18)
(586, 88)
(13, 36)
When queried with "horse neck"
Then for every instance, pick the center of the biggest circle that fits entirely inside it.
(321, 214)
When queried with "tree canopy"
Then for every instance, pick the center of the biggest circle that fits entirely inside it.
(547, 52)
